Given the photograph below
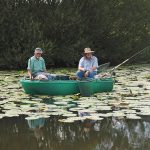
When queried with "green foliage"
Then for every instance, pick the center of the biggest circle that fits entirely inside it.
(115, 30)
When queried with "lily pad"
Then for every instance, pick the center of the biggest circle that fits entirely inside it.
(75, 109)
(66, 120)
(96, 118)
(61, 103)
(104, 115)
(32, 118)
(69, 115)
(87, 111)
(133, 117)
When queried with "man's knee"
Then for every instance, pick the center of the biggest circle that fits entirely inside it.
(80, 74)
(92, 74)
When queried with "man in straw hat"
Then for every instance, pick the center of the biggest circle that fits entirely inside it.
(87, 65)
(36, 66)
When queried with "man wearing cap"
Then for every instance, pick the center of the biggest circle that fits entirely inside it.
(36, 65)
(87, 65)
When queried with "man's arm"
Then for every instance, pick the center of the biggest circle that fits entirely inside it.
(30, 74)
(29, 69)
(95, 65)
(81, 66)
(93, 68)
(44, 66)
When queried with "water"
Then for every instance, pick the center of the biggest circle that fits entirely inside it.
(130, 99)
(48, 134)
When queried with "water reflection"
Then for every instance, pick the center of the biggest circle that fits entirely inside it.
(88, 124)
(108, 134)
(37, 126)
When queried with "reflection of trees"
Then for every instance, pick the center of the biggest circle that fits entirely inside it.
(138, 132)
(13, 134)
(68, 135)
(130, 134)
(112, 134)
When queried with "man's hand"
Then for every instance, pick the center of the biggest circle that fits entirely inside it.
(31, 77)
(86, 73)
(30, 74)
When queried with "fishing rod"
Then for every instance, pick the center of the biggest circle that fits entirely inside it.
(112, 70)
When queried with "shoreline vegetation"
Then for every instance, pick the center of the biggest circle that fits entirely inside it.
(115, 30)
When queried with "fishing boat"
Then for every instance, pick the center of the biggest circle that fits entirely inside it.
(67, 87)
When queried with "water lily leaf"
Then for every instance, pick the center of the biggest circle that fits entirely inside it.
(104, 115)
(118, 114)
(32, 118)
(87, 111)
(43, 116)
(55, 113)
(131, 116)
(88, 98)
(128, 111)
(36, 99)
(61, 103)
(92, 118)
(69, 115)
(58, 98)
(84, 105)
(132, 98)
(144, 113)
(102, 108)
(75, 109)
(66, 120)
(1, 116)
(76, 118)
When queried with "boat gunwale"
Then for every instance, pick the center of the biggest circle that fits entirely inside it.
(51, 81)
(64, 81)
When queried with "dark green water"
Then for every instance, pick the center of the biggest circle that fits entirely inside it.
(48, 134)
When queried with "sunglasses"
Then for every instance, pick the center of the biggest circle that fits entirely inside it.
(39, 53)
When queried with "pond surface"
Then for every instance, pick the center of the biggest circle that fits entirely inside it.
(49, 134)
(118, 120)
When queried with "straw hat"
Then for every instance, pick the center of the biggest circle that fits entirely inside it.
(88, 50)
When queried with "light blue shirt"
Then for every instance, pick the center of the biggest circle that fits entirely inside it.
(87, 64)
(36, 65)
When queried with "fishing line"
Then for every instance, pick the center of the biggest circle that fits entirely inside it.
(113, 69)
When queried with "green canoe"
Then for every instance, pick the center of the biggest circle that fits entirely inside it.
(66, 87)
